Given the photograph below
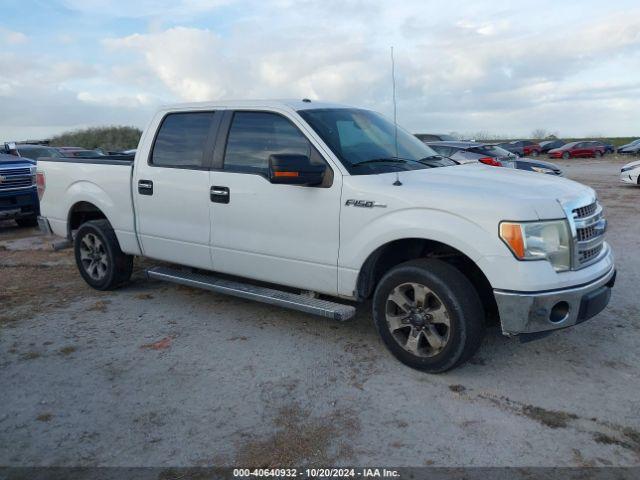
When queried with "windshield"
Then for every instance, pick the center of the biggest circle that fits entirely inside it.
(365, 142)
(35, 152)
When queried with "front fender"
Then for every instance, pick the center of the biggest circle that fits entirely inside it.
(359, 240)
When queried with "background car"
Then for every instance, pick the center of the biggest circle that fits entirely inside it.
(547, 145)
(435, 137)
(512, 147)
(608, 147)
(529, 148)
(632, 148)
(578, 150)
(630, 173)
(78, 152)
(34, 152)
(84, 153)
(494, 155)
(18, 191)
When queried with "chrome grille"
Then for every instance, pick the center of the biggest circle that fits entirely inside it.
(587, 211)
(587, 233)
(586, 255)
(588, 227)
(14, 178)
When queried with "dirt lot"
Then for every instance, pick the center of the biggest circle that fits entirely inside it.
(159, 375)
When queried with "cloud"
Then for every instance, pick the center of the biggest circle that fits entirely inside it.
(10, 37)
(197, 64)
(176, 9)
(464, 65)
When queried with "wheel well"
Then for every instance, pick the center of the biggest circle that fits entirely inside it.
(394, 253)
(80, 213)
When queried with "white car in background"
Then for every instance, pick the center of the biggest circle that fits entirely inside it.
(630, 173)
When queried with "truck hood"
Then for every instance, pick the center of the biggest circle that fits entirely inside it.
(477, 192)
(13, 161)
(632, 164)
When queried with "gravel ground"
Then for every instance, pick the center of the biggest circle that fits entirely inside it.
(160, 375)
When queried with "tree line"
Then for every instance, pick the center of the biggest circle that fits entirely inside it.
(110, 138)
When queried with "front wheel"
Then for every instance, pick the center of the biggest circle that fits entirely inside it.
(534, 153)
(566, 155)
(98, 256)
(428, 315)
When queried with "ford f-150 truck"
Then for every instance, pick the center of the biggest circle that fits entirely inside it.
(294, 202)
(18, 198)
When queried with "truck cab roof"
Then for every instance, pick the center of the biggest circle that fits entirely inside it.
(293, 104)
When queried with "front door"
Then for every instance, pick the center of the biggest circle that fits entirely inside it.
(286, 234)
(171, 190)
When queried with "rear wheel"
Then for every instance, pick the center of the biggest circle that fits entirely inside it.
(27, 221)
(598, 154)
(428, 315)
(98, 256)
(534, 153)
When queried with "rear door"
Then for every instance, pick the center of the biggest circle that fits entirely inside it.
(171, 189)
(583, 149)
(286, 234)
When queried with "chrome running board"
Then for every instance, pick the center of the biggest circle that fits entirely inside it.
(293, 301)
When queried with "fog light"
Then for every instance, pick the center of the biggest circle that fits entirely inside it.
(559, 312)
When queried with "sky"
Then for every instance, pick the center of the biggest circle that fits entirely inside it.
(496, 67)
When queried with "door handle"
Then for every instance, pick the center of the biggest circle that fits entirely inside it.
(220, 194)
(145, 187)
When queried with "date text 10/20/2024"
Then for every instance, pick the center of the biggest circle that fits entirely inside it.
(316, 473)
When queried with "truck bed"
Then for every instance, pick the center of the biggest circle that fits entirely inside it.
(71, 182)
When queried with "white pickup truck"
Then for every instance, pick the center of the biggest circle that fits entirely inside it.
(292, 202)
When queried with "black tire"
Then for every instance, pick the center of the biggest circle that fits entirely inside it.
(454, 292)
(566, 155)
(111, 266)
(27, 221)
(598, 154)
(535, 153)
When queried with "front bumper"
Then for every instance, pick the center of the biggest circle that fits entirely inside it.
(19, 203)
(630, 176)
(533, 312)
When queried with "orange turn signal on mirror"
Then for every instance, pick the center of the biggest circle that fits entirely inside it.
(286, 174)
(511, 233)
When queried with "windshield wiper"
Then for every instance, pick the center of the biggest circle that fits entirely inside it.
(430, 158)
(381, 160)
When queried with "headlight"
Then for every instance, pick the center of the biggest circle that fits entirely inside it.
(542, 170)
(548, 240)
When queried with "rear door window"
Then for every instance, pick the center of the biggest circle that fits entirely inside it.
(181, 140)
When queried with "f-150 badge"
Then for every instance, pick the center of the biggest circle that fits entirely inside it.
(364, 203)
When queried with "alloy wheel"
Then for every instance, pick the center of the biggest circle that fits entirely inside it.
(93, 256)
(417, 319)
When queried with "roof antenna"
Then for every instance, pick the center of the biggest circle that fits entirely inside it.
(397, 183)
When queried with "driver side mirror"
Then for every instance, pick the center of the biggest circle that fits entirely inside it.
(292, 169)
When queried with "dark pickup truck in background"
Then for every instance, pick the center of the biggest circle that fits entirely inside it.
(18, 190)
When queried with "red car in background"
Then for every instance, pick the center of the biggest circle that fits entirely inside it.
(578, 150)
(529, 148)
